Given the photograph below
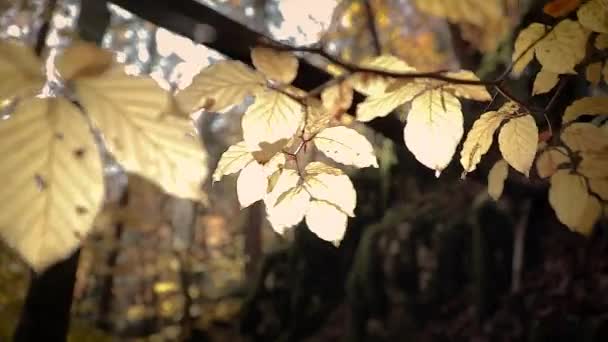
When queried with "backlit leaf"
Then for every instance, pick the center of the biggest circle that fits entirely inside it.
(337, 98)
(346, 146)
(496, 179)
(219, 86)
(569, 198)
(329, 184)
(165, 149)
(326, 221)
(434, 128)
(585, 137)
(56, 180)
(479, 139)
(548, 161)
(381, 104)
(594, 164)
(276, 65)
(370, 84)
(468, 91)
(523, 51)
(594, 15)
(563, 48)
(20, 71)
(83, 59)
(599, 186)
(595, 105)
(251, 185)
(233, 160)
(544, 82)
(289, 210)
(517, 141)
(272, 117)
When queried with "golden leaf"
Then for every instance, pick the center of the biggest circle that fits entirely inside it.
(544, 82)
(287, 203)
(592, 213)
(272, 117)
(517, 141)
(467, 91)
(337, 99)
(464, 11)
(83, 59)
(599, 186)
(276, 65)
(233, 160)
(549, 161)
(496, 179)
(370, 84)
(563, 48)
(569, 198)
(381, 104)
(20, 71)
(329, 184)
(317, 117)
(585, 137)
(252, 184)
(594, 15)
(479, 139)
(326, 221)
(601, 41)
(56, 180)
(593, 73)
(594, 105)
(219, 86)
(560, 8)
(434, 128)
(346, 146)
(165, 149)
(594, 164)
(523, 51)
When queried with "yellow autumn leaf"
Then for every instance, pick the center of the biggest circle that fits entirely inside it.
(467, 91)
(434, 128)
(479, 139)
(337, 98)
(594, 105)
(601, 41)
(594, 164)
(272, 117)
(563, 48)
(517, 141)
(287, 203)
(278, 66)
(569, 198)
(233, 160)
(585, 137)
(599, 186)
(463, 11)
(326, 221)
(592, 213)
(496, 179)
(83, 59)
(220, 86)
(594, 15)
(524, 46)
(251, 184)
(330, 184)
(381, 104)
(593, 73)
(371, 84)
(545, 81)
(54, 180)
(346, 146)
(549, 161)
(20, 71)
(162, 148)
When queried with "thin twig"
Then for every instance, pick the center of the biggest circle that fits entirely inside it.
(43, 32)
(371, 25)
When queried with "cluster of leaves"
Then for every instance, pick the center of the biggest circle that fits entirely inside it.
(51, 143)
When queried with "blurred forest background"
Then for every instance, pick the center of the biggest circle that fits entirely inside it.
(424, 259)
